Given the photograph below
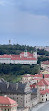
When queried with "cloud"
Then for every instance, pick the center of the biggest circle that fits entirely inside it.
(38, 7)
(7, 2)
(2, 3)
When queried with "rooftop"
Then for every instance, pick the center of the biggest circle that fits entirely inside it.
(4, 100)
(19, 57)
(44, 91)
(43, 82)
(45, 62)
(13, 88)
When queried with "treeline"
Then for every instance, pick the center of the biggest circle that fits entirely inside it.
(15, 49)
(18, 69)
(42, 58)
(42, 52)
(44, 55)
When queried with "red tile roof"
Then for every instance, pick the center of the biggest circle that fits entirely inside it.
(28, 75)
(37, 76)
(44, 91)
(4, 100)
(33, 85)
(43, 82)
(19, 57)
(41, 75)
(45, 62)
(5, 56)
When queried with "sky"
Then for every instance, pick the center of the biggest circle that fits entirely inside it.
(25, 22)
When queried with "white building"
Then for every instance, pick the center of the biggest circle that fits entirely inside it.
(23, 58)
(45, 64)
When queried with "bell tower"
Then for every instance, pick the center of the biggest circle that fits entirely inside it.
(25, 53)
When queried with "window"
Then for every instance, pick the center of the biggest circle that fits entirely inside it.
(42, 99)
(5, 109)
(42, 95)
(8, 109)
(46, 94)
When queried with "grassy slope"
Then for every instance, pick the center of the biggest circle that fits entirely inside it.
(11, 78)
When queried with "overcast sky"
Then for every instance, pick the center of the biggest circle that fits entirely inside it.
(24, 22)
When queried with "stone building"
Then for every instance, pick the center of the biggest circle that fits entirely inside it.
(20, 92)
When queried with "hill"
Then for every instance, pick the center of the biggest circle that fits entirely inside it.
(13, 72)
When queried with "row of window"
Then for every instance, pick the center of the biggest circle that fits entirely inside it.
(42, 95)
(5, 109)
(43, 99)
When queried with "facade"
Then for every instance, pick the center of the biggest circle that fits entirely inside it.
(23, 58)
(44, 95)
(45, 64)
(43, 87)
(20, 92)
(17, 91)
(26, 78)
(7, 104)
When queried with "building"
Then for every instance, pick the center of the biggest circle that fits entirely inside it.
(20, 92)
(45, 64)
(17, 91)
(7, 104)
(27, 78)
(23, 58)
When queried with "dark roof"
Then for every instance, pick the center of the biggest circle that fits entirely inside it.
(34, 90)
(13, 88)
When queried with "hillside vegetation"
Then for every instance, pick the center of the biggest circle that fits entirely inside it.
(15, 49)
(12, 72)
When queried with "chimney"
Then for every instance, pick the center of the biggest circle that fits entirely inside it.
(16, 86)
(5, 96)
(7, 85)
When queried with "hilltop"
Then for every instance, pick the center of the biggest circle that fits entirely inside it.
(13, 72)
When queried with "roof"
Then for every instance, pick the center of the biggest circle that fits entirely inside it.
(43, 82)
(4, 100)
(41, 75)
(33, 85)
(37, 75)
(27, 75)
(44, 91)
(34, 90)
(19, 57)
(13, 88)
(5, 56)
(45, 62)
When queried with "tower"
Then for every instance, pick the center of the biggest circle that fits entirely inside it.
(25, 53)
(9, 42)
(35, 54)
